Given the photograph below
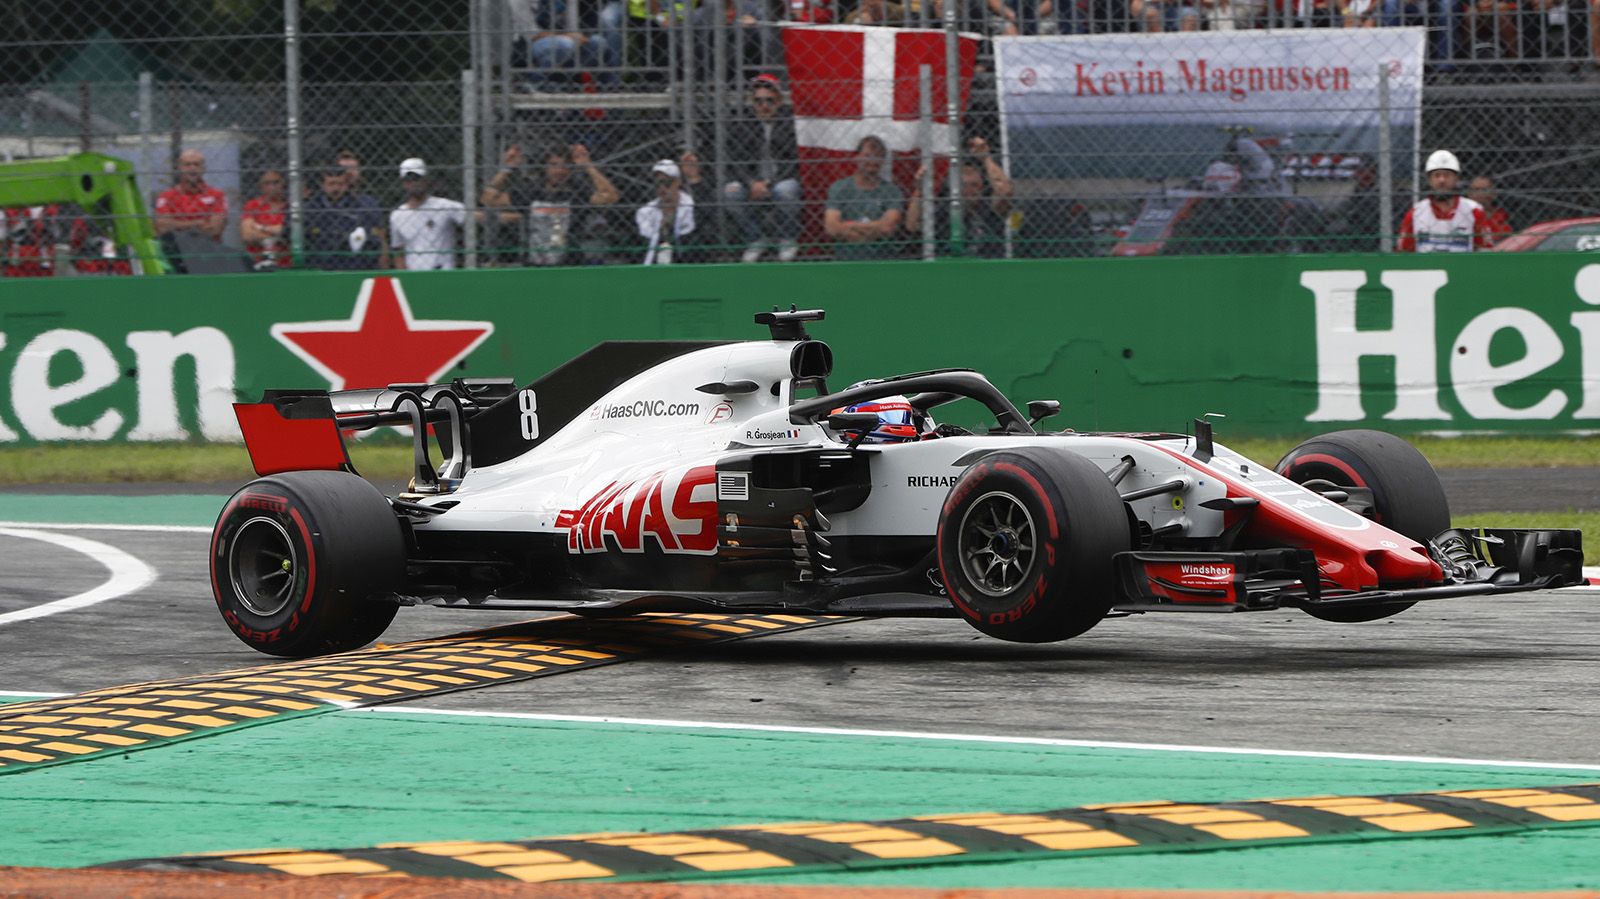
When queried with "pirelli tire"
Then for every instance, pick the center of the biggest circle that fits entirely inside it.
(297, 559)
(1407, 496)
(1025, 544)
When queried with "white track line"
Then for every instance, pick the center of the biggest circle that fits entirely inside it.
(128, 574)
(30, 694)
(980, 738)
(85, 526)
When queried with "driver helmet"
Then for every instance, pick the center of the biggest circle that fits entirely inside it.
(898, 422)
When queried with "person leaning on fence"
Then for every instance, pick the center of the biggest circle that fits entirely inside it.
(1444, 221)
(667, 222)
(191, 205)
(424, 230)
(551, 211)
(342, 232)
(351, 163)
(985, 204)
(763, 190)
(864, 211)
(263, 227)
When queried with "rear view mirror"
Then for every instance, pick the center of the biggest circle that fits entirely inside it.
(1039, 410)
(853, 421)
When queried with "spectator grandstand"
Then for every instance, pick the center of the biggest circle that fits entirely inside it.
(497, 94)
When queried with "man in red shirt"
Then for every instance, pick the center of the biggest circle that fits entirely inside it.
(191, 204)
(262, 227)
(1482, 190)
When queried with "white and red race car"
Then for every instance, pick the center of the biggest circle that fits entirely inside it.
(655, 476)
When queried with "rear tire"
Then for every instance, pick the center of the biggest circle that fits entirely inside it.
(1026, 541)
(1406, 493)
(297, 557)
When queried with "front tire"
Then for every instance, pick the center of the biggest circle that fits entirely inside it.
(297, 557)
(1407, 496)
(1026, 541)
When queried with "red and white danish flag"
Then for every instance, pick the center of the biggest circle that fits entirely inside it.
(850, 81)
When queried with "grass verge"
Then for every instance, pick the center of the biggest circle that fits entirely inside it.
(1459, 452)
(390, 459)
(88, 463)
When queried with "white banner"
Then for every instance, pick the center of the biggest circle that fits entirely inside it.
(1098, 95)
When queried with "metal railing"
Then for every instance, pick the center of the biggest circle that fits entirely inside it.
(547, 121)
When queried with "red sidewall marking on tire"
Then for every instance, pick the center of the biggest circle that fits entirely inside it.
(1037, 587)
(311, 562)
(954, 499)
(1038, 492)
(1332, 462)
(216, 534)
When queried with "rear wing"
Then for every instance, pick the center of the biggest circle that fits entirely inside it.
(298, 430)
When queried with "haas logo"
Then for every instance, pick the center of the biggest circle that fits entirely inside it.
(678, 509)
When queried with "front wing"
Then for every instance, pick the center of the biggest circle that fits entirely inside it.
(1476, 562)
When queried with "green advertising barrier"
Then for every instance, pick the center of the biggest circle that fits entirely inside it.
(1282, 345)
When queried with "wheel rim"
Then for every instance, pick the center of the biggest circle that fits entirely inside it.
(262, 564)
(997, 543)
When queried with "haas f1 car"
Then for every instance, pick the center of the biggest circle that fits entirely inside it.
(725, 477)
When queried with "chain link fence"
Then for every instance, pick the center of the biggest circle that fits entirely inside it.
(358, 134)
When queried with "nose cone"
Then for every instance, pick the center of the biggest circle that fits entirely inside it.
(1404, 565)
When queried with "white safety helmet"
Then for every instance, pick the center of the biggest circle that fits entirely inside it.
(1443, 159)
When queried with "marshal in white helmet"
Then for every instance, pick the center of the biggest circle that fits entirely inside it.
(1444, 221)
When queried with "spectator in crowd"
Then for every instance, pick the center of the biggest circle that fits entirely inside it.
(1438, 15)
(1481, 190)
(554, 35)
(864, 211)
(342, 232)
(191, 205)
(1358, 13)
(877, 12)
(263, 228)
(425, 230)
(667, 222)
(1444, 221)
(763, 42)
(763, 191)
(1492, 28)
(985, 204)
(351, 163)
(1165, 15)
(561, 206)
(694, 182)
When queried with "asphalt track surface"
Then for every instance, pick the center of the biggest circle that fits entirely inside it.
(1504, 678)
(1509, 679)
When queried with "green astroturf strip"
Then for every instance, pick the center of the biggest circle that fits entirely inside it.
(352, 779)
(175, 509)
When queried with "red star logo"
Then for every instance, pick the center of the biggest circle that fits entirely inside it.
(381, 343)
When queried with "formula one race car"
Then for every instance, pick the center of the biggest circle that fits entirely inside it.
(662, 476)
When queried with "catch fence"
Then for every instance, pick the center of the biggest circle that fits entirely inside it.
(583, 132)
